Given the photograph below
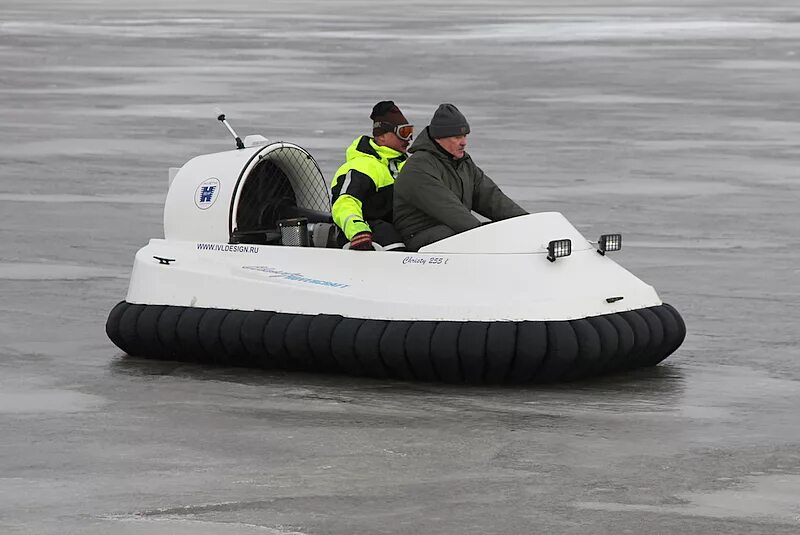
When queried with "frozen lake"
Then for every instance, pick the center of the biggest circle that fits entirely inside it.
(676, 123)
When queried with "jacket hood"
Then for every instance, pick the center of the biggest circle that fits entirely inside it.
(366, 146)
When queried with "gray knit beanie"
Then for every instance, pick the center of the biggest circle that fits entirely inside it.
(447, 121)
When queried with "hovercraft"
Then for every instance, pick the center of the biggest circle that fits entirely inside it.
(249, 274)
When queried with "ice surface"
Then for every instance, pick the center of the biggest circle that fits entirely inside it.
(758, 497)
(154, 198)
(37, 401)
(31, 271)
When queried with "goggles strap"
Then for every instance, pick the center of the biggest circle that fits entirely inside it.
(395, 128)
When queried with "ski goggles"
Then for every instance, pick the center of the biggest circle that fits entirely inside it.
(403, 131)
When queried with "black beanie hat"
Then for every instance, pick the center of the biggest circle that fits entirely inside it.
(385, 116)
(447, 121)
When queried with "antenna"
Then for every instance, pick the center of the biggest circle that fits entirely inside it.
(221, 118)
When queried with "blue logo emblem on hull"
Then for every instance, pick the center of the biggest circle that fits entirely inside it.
(206, 193)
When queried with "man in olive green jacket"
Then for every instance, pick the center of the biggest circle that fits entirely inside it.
(439, 186)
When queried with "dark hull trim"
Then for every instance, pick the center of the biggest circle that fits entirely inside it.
(451, 351)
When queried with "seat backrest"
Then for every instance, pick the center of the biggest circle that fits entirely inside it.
(323, 235)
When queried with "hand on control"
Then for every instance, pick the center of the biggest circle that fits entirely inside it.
(362, 242)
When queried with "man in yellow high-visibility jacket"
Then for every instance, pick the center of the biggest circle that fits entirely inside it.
(363, 187)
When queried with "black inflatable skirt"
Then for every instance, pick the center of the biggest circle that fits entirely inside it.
(451, 351)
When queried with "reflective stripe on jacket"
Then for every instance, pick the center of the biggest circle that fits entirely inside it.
(363, 187)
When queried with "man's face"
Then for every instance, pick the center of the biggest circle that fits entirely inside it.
(455, 145)
(390, 139)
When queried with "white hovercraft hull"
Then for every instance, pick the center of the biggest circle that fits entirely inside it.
(466, 282)
(484, 306)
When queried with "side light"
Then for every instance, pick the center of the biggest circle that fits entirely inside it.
(609, 242)
(558, 248)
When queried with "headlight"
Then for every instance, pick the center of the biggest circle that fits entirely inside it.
(609, 242)
(558, 248)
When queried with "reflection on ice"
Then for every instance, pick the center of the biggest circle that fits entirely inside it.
(136, 525)
(631, 29)
(153, 198)
(542, 29)
(33, 396)
(759, 497)
(166, 27)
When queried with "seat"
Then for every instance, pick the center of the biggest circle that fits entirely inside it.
(323, 235)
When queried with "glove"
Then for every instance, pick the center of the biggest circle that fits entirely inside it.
(362, 242)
